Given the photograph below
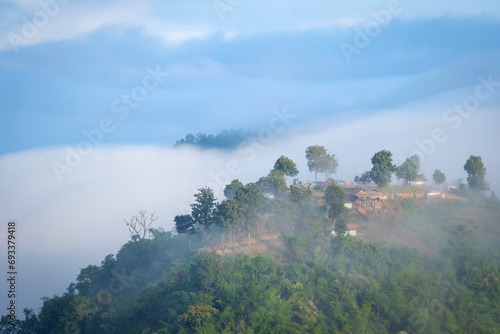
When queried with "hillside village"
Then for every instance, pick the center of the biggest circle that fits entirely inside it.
(361, 208)
(264, 260)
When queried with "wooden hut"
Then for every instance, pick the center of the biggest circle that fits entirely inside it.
(368, 197)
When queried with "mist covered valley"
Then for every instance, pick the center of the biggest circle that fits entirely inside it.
(117, 182)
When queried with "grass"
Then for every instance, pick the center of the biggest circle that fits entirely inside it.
(438, 222)
(433, 222)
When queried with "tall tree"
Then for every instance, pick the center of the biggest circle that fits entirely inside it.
(382, 168)
(202, 210)
(301, 195)
(319, 161)
(230, 214)
(409, 170)
(438, 177)
(299, 192)
(364, 179)
(273, 184)
(139, 224)
(185, 224)
(286, 166)
(337, 212)
(251, 196)
(231, 190)
(476, 173)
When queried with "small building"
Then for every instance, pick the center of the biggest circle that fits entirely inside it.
(451, 188)
(348, 205)
(433, 194)
(368, 197)
(349, 231)
(416, 183)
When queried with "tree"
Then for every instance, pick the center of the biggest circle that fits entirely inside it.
(337, 212)
(251, 196)
(286, 166)
(233, 188)
(230, 215)
(438, 177)
(299, 192)
(319, 161)
(86, 280)
(364, 179)
(196, 314)
(203, 209)
(185, 224)
(382, 168)
(409, 169)
(139, 225)
(273, 184)
(476, 173)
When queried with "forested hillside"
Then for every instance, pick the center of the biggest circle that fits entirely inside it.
(212, 276)
(227, 139)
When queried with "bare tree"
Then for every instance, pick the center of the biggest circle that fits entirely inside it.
(139, 224)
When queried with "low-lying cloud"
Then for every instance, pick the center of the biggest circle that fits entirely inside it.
(64, 226)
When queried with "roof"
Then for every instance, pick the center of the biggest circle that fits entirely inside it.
(365, 193)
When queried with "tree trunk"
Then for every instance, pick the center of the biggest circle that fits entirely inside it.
(189, 240)
(249, 237)
(232, 238)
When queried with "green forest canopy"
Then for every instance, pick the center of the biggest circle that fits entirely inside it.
(178, 283)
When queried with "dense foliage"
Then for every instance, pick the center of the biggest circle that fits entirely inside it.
(320, 161)
(382, 168)
(190, 283)
(438, 177)
(227, 139)
(476, 174)
(409, 170)
(340, 285)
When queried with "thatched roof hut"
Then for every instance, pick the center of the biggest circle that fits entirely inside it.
(368, 197)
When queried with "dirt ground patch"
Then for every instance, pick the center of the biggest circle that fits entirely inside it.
(397, 235)
(268, 244)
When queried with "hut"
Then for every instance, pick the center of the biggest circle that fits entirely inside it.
(368, 197)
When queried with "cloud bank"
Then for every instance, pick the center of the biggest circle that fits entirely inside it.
(64, 226)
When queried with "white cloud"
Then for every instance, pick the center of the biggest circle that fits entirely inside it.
(179, 23)
(65, 226)
(64, 21)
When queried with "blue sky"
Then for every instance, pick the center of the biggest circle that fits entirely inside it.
(86, 54)
(98, 70)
